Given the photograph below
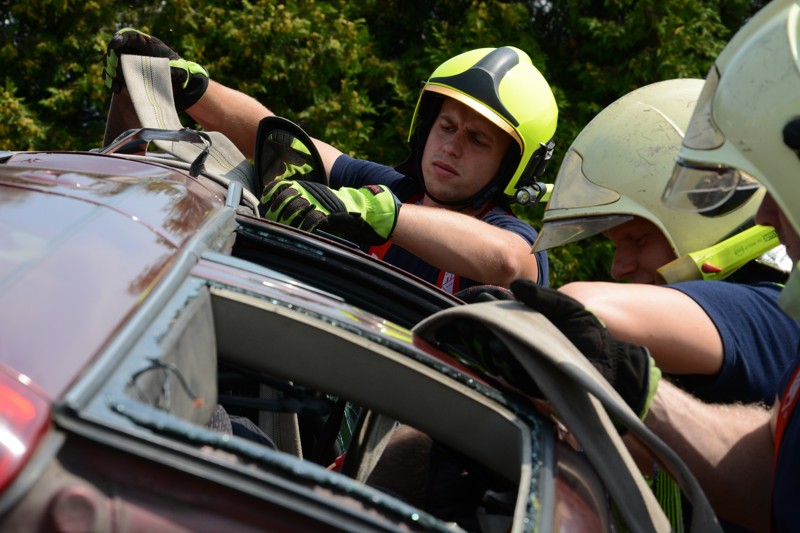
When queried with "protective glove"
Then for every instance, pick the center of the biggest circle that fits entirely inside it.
(284, 157)
(189, 80)
(365, 215)
(627, 367)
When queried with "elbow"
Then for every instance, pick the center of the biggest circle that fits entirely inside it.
(510, 268)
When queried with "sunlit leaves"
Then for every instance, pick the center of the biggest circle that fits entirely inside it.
(349, 70)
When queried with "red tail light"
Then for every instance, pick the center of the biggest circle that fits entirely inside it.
(24, 416)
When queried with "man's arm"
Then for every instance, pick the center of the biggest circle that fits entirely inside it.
(465, 245)
(679, 334)
(236, 115)
(728, 448)
(452, 241)
(214, 106)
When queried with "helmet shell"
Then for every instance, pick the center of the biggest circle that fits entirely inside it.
(504, 86)
(618, 166)
(750, 98)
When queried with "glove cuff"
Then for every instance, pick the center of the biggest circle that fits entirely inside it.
(653, 377)
(378, 208)
(630, 372)
(386, 206)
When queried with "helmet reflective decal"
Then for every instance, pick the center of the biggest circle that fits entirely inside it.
(482, 81)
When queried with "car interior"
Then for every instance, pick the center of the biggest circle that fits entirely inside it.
(308, 385)
(388, 388)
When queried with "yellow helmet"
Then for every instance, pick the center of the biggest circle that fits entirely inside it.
(618, 166)
(745, 129)
(504, 86)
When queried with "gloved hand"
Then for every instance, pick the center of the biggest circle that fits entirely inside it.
(366, 215)
(475, 345)
(627, 367)
(284, 156)
(189, 80)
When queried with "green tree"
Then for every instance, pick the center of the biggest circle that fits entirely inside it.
(49, 66)
(349, 71)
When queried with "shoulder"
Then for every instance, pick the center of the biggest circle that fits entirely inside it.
(716, 292)
(497, 216)
(348, 171)
(741, 307)
(353, 172)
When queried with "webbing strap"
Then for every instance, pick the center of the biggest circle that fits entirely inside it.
(583, 399)
(149, 104)
(369, 440)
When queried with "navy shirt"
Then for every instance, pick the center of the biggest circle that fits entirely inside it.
(350, 172)
(759, 340)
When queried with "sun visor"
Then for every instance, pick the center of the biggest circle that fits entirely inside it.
(561, 232)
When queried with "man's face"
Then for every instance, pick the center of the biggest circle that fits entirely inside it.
(769, 214)
(463, 152)
(641, 249)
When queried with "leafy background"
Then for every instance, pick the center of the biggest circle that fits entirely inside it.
(349, 71)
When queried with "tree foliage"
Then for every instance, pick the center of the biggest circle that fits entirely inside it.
(349, 71)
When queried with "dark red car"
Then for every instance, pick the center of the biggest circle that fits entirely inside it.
(171, 362)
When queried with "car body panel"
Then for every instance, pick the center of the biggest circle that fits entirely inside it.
(130, 287)
(72, 273)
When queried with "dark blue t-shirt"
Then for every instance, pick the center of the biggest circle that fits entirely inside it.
(759, 340)
(350, 172)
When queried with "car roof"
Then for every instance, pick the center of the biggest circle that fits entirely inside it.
(81, 250)
(93, 241)
(87, 236)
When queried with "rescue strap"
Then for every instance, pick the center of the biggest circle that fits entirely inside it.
(148, 103)
(583, 400)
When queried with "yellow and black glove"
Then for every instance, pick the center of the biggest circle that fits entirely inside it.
(284, 157)
(627, 367)
(189, 80)
(365, 215)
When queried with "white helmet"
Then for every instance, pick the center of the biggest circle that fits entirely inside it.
(618, 166)
(746, 127)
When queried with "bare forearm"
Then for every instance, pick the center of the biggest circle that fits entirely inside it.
(679, 334)
(231, 113)
(727, 447)
(464, 245)
(237, 115)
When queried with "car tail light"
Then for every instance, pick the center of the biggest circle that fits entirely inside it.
(24, 416)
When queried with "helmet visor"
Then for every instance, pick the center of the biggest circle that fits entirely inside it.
(708, 190)
(560, 232)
